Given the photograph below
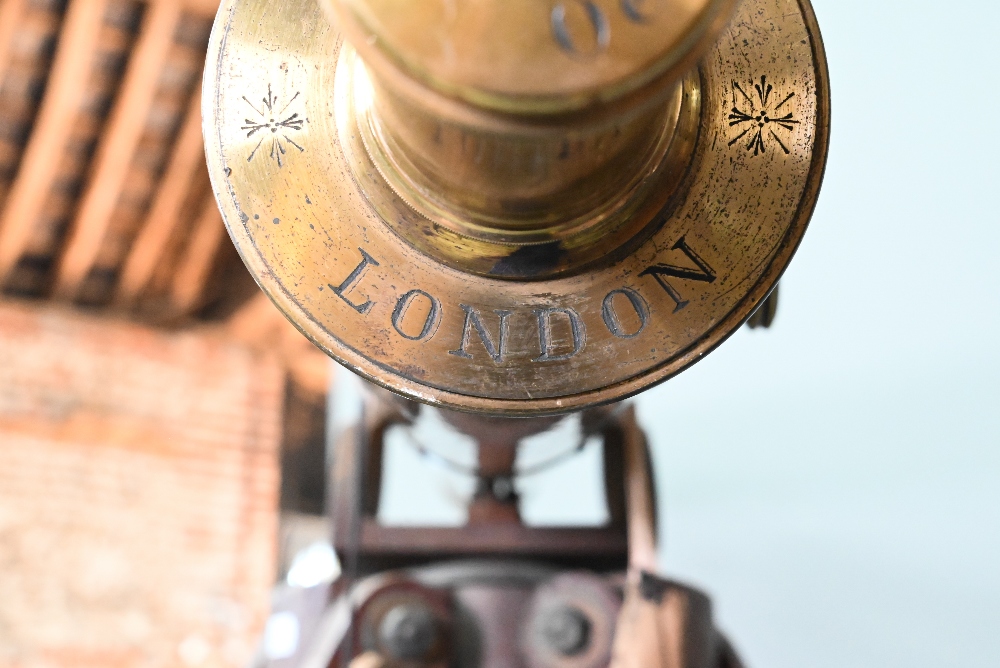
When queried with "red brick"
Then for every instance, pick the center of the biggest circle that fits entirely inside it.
(138, 492)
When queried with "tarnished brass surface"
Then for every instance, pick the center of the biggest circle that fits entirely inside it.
(507, 259)
(483, 193)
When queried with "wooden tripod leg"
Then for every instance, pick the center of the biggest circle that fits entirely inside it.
(639, 641)
(640, 502)
(661, 624)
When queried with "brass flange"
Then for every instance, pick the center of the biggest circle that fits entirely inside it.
(517, 207)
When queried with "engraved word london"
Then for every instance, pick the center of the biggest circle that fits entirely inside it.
(596, 18)
(494, 339)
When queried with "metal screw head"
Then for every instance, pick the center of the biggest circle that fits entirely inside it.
(408, 632)
(503, 488)
(564, 629)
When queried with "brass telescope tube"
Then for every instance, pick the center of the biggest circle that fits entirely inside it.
(509, 170)
(520, 179)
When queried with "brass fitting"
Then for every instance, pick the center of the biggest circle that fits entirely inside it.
(513, 206)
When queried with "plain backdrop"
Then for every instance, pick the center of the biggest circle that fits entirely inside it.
(834, 482)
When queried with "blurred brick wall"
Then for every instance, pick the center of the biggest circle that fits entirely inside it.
(138, 493)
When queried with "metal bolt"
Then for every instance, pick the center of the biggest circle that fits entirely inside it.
(503, 488)
(564, 629)
(408, 632)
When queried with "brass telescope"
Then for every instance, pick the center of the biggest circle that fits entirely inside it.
(517, 207)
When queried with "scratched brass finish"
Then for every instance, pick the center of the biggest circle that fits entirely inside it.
(669, 223)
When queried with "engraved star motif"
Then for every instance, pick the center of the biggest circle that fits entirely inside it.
(274, 126)
(762, 119)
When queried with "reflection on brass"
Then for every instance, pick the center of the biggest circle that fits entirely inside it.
(481, 194)
(513, 206)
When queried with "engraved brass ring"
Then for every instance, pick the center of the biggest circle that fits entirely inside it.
(515, 265)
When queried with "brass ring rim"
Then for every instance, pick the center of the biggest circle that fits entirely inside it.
(714, 336)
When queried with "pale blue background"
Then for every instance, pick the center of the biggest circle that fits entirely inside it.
(834, 483)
